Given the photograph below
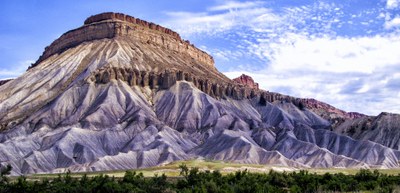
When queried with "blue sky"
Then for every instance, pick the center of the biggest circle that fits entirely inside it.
(342, 52)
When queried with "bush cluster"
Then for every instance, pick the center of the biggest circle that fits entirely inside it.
(194, 180)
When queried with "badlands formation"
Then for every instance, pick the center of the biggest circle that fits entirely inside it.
(121, 93)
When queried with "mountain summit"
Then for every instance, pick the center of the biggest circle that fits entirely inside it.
(121, 93)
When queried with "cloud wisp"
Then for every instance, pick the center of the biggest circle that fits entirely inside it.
(15, 71)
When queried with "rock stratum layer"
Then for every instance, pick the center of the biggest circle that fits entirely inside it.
(111, 25)
(120, 93)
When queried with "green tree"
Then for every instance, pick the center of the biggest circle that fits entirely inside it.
(4, 171)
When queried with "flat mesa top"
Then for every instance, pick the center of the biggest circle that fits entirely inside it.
(109, 15)
(103, 25)
(122, 17)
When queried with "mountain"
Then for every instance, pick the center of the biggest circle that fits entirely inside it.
(121, 93)
(383, 129)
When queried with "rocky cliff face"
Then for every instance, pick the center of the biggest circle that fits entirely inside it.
(166, 79)
(120, 93)
(247, 81)
(111, 25)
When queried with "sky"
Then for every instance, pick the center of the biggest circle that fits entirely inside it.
(343, 52)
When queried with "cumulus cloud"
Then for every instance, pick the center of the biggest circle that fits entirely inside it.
(393, 23)
(332, 54)
(346, 72)
(392, 4)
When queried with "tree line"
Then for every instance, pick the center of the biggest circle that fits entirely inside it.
(195, 180)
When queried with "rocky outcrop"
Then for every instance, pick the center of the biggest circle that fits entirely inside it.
(122, 17)
(329, 111)
(168, 78)
(334, 115)
(111, 25)
(247, 81)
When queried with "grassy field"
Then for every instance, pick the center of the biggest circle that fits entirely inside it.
(172, 169)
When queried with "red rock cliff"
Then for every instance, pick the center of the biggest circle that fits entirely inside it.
(247, 81)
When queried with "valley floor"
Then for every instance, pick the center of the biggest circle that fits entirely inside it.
(173, 170)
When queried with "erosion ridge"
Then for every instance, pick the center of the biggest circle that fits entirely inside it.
(110, 25)
(383, 129)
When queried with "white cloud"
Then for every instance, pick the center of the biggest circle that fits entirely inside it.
(254, 15)
(395, 22)
(229, 5)
(6, 74)
(187, 23)
(336, 55)
(350, 73)
(225, 54)
(392, 4)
